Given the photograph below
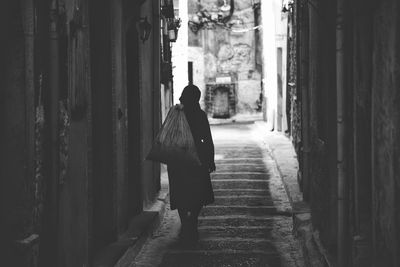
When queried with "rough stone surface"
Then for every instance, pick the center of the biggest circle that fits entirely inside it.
(385, 134)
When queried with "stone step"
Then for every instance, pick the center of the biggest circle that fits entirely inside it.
(240, 175)
(222, 160)
(244, 149)
(235, 221)
(236, 243)
(244, 201)
(240, 167)
(237, 231)
(240, 183)
(241, 192)
(239, 153)
(243, 210)
(236, 147)
(231, 258)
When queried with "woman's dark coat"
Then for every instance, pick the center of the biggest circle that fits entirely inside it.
(190, 186)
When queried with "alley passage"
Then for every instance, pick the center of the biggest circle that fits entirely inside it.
(250, 222)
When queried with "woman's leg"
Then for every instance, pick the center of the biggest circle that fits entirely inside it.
(193, 222)
(183, 215)
(194, 214)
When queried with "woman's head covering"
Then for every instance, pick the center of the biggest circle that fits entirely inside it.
(190, 95)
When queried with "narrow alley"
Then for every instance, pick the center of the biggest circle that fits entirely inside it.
(303, 99)
(250, 223)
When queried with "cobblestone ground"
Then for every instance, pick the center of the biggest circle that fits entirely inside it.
(250, 222)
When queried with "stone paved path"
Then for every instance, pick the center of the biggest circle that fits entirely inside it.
(250, 222)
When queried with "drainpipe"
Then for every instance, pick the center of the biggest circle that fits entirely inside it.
(341, 175)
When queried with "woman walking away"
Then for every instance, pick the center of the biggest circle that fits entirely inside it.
(190, 186)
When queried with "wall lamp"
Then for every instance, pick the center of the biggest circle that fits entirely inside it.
(144, 28)
(255, 3)
(287, 6)
(173, 27)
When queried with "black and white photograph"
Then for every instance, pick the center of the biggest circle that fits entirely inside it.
(200, 133)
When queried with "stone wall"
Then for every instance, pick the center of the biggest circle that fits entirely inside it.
(65, 189)
(386, 134)
(370, 216)
(21, 182)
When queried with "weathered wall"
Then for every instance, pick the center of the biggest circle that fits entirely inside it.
(20, 202)
(103, 131)
(74, 191)
(13, 134)
(150, 96)
(360, 194)
(371, 118)
(321, 114)
(293, 101)
(232, 53)
(65, 188)
(312, 108)
(120, 114)
(386, 134)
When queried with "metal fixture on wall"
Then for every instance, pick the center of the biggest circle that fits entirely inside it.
(287, 6)
(144, 28)
(256, 4)
(171, 22)
(173, 27)
(210, 19)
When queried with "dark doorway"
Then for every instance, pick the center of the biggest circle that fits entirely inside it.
(103, 221)
(132, 72)
(221, 103)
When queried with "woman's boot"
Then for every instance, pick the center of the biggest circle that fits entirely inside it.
(184, 231)
(193, 224)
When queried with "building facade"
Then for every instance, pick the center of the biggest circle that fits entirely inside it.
(274, 64)
(80, 106)
(343, 80)
(226, 57)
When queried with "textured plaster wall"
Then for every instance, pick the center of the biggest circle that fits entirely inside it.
(386, 134)
(372, 121)
(248, 94)
(150, 97)
(73, 242)
(229, 53)
(362, 77)
(15, 183)
(119, 104)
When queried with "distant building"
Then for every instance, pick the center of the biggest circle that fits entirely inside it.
(226, 56)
